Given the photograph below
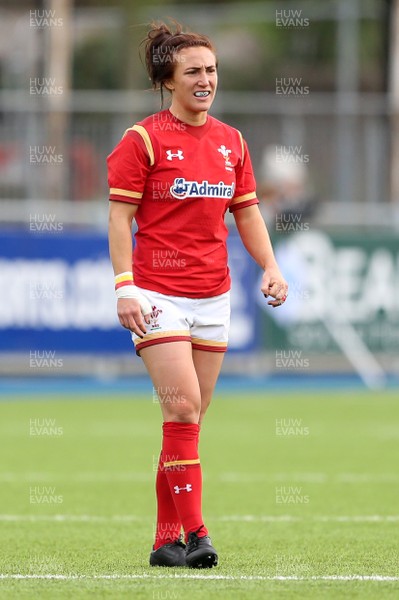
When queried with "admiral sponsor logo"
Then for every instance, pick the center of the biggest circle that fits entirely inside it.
(182, 189)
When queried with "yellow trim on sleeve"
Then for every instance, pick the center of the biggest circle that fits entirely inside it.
(243, 198)
(242, 147)
(127, 193)
(146, 139)
(173, 463)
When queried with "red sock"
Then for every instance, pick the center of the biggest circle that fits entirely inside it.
(183, 471)
(168, 521)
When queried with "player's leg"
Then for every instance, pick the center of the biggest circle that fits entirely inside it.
(173, 374)
(207, 367)
(168, 364)
(209, 335)
(179, 400)
(209, 330)
(168, 550)
(171, 368)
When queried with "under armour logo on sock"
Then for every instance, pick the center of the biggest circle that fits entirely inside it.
(187, 488)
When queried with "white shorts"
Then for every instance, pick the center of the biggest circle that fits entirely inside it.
(204, 322)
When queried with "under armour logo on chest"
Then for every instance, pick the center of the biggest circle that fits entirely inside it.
(170, 155)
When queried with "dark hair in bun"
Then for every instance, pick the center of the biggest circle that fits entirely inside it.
(162, 45)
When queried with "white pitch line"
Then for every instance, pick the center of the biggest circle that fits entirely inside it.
(212, 577)
(324, 519)
(90, 477)
(71, 518)
(228, 477)
(59, 518)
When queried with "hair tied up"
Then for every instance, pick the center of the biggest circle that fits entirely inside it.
(161, 46)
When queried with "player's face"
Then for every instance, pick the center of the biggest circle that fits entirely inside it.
(194, 80)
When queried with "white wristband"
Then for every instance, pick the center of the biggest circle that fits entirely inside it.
(131, 291)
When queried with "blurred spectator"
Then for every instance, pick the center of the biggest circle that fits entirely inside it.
(284, 186)
(85, 170)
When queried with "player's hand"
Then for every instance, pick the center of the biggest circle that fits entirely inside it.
(274, 285)
(130, 316)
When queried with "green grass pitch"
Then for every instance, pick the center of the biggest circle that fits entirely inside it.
(301, 496)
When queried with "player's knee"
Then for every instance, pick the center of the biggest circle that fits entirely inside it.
(184, 409)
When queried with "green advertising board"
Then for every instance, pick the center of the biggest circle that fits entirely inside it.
(344, 288)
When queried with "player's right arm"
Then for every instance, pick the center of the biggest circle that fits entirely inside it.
(129, 165)
(121, 215)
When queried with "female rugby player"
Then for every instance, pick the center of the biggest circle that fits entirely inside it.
(176, 173)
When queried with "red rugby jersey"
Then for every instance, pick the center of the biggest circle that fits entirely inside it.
(183, 178)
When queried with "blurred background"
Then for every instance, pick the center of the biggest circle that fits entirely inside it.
(314, 88)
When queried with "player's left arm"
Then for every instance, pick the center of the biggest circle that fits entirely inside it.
(256, 239)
